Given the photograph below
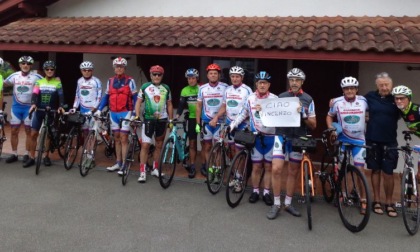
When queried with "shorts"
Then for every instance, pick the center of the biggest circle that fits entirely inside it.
(38, 118)
(358, 154)
(192, 135)
(20, 114)
(263, 149)
(282, 150)
(115, 121)
(210, 133)
(153, 127)
(378, 159)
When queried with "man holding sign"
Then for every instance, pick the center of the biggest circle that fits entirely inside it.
(308, 121)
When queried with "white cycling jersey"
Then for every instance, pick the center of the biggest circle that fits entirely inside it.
(254, 116)
(235, 98)
(22, 87)
(351, 117)
(212, 98)
(88, 94)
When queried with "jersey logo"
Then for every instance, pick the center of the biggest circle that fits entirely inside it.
(22, 89)
(213, 102)
(351, 119)
(84, 92)
(232, 103)
(257, 115)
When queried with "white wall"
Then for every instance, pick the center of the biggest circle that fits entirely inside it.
(400, 76)
(79, 8)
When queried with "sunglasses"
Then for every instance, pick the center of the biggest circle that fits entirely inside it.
(25, 63)
(49, 70)
(400, 98)
(157, 74)
(87, 70)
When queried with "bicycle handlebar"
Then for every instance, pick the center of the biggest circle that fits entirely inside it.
(137, 122)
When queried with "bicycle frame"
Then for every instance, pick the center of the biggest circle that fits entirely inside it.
(306, 159)
(180, 142)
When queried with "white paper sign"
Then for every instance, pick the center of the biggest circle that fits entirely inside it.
(280, 112)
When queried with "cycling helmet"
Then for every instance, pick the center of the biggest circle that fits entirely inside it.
(86, 65)
(119, 61)
(213, 67)
(262, 75)
(402, 90)
(296, 73)
(349, 82)
(26, 59)
(1, 62)
(49, 64)
(237, 70)
(157, 69)
(191, 72)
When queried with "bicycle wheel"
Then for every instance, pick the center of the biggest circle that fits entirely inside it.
(71, 147)
(40, 148)
(238, 178)
(87, 160)
(327, 177)
(167, 163)
(129, 159)
(352, 185)
(2, 137)
(216, 168)
(307, 193)
(410, 201)
(61, 145)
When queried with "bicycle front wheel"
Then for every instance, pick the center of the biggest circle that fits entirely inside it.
(353, 195)
(237, 179)
(71, 147)
(216, 168)
(327, 177)
(410, 201)
(129, 159)
(308, 193)
(167, 163)
(40, 148)
(87, 160)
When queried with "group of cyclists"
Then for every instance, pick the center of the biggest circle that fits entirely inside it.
(210, 106)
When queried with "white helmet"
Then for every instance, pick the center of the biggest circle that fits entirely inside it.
(191, 72)
(86, 65)
(237, 70)
(119, 61)
(1, 62)
(402, 90)
(296, 73)
(349, 82)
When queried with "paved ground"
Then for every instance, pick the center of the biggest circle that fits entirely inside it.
(60, 211)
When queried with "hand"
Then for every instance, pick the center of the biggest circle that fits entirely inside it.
(197, 128)
(33, 108)
(258, 107)
(97, 113)
(133, 118)
(170, 125)
(213, 122)
(60, 110)
(72, 111)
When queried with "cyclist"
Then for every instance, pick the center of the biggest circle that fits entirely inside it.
(189, 97)
(262, 153)
(296, 77)
(88, 94)
(23, 82)
(381, 131)
(158, 110)
(47, 92)
(234, 99)
(350, 110)
(209, 101)
(120, 96)
(409, 111)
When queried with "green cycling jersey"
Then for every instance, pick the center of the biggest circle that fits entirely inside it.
(188, 95)
(411, 116)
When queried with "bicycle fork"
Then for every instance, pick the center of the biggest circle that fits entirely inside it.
(311, 179)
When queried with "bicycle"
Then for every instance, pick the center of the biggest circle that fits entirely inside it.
(349, 187)
(56, 139)
(134, 145)
(174, 151)
(219, 159)
(240, 168)
(87, 160)
(409, 186)
(74, 138)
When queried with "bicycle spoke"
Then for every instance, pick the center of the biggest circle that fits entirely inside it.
(237, 179)
(216, 168)
(167, 163)
(410, 201)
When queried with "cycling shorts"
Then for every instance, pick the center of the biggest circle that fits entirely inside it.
(115, 121)
(283, 150)
(192, 135)
(378, 159)
(210, 133)
(37, 119)
(153, 127)
(263, 149)
(20, 114)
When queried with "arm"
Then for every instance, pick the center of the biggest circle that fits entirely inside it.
(76, 102)
(198, 112)
(329, 119)
(220, 113)
(138, 104)
(310, 122)
(181, 106)
(170, 109)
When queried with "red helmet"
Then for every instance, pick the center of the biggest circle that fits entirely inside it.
(157, 69)
(213, 67)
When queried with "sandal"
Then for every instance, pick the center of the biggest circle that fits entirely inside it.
(390, 210)
(377, 208)
(363, 207)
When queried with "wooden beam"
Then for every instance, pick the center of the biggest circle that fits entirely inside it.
(33, 10)
(5, 5)
(219, 52)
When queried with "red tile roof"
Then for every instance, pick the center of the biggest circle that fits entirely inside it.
(345, 34)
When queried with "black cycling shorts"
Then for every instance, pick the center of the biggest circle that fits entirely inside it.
(155, 127)
(379, 159)
(192, 135)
